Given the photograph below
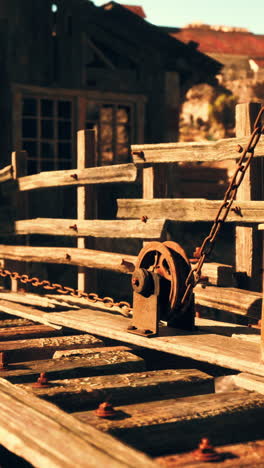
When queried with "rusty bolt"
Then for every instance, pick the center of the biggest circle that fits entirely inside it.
(74, 176)
(144, 219)
(3, 361)
(237, 211)
(206, 452)
(239, 148)
(74, 227)
(131, 327)
(105, 410)
(68, 257)
(42, 381)
(140, 154)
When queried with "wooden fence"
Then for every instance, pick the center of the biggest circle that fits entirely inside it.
(148, 162)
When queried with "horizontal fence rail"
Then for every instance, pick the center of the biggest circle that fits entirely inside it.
(190, 210)
(121, 173)
(133, 229)
(220, 150)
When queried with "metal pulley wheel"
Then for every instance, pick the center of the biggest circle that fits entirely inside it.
(161, 269)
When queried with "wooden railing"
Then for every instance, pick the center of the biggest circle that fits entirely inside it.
(148, 160)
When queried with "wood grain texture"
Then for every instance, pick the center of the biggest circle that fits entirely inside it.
(120, 173)
(201, 345)
(29, 331)
(88, 392)
(44, 348)
(91, 364)
(162, 426)
(249, 382)
(6, 173)
(237, 301)
(46, 436)
(26, 312)
(126, 229)
(70, 256)
(220, 150)
(188, 209)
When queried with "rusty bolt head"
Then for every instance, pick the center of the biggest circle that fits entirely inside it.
(3, 361)
(74, 176)
(239, 148)
(206, 452)
(105, 410)
(42, 381)
(144, 219)
(68, 257)
(74, 227)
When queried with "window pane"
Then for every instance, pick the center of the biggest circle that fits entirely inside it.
(29, 128)
(47, 150)
(64, 130)
(92, 111)
(31, 167)
(123, 114)
(122, 134)
(64, 109)
(47, 108)
(64, 165)
(29, 107)
(122, 154)
(47, 130)
(46, 165)
(31, 148)
(65, 150)
(106, 113)
(106, 134)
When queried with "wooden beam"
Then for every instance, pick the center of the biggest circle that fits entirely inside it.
(189, 210)
(147, 425)
(248, 239)
(120, 173)
(47, 436)
(6, 173)
(122, 263)
(249, 382)
(27, 312)
(236, 301)
(127, 229)
(221, 150)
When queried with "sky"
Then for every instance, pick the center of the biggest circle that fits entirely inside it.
(178, 13)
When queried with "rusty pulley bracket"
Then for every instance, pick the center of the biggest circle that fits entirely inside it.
(158, 284)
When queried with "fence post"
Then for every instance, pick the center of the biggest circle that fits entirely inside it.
(86, 200)
(248, 239)
(19, 168)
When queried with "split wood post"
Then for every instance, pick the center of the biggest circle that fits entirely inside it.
(86, 200)
(248, 239)
(19, 168)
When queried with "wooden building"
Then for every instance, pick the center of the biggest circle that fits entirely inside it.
(68, 65)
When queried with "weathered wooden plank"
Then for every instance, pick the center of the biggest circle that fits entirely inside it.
(261, 227)
(246, 455)
(46, 436)
(237, 301)
(220, 150)
(6, 173)
(202, 346)
(86, 393)
(188, 209)
(248, 240)
(91, 364)
(31, 299)
(122, 263)
(26, 312)
(219, 274)
(249, 382)
(153, 229)
(160, 426)
(29, 331)
(44, 348)
(93, 175)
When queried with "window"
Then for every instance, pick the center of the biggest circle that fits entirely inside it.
(114, 126)
(47, 133)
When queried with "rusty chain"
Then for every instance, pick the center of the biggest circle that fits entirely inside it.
(204, 251)
(208, 242)
(124, 307)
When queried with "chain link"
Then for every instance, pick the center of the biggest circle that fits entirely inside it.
(205, 249)
(124, 307)
(230, 194)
